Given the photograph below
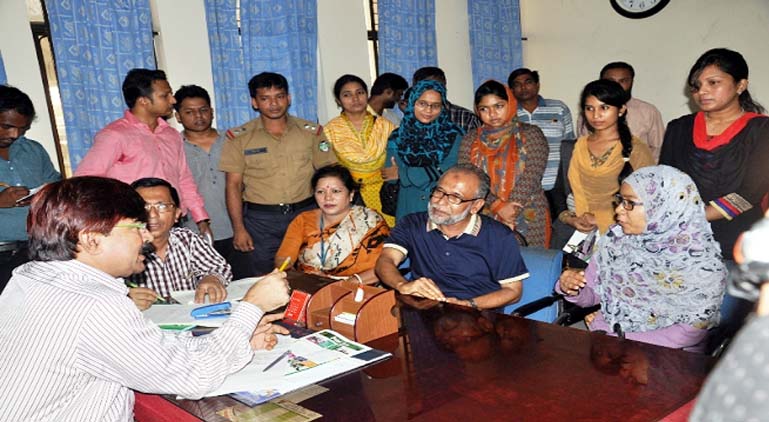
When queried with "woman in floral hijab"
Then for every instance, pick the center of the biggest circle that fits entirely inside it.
(658, 273)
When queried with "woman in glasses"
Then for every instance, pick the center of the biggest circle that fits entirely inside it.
(422, 148)
(359, 138)
(338, 239)
(603, 158)
(724, 146)
(657, 274)
(514, 155)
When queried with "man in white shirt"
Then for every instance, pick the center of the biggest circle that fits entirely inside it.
(75, 346)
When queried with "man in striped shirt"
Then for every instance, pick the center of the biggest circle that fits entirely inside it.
(181, 259)
(75, 346)
(552, 116)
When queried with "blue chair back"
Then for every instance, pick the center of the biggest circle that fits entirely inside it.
(544, 267)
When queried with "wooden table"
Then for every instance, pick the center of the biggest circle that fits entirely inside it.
(455, 364)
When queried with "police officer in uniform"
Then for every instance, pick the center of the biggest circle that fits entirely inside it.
(269, 162)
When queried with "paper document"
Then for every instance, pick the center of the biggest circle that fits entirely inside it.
(235, 291)
(310, 359)
(180, 314)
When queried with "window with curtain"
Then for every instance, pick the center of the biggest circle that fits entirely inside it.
(275, 36)
(233, 104)
(96, 42)
(495, 39)
(406, 36)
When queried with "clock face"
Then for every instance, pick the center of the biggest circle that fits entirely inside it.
(638, 9)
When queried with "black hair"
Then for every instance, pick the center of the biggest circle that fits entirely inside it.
(429, 72)
(190, 91)
(611, 93)
(388, 81)
(731, 62)
(522, 71)
(151, 182)
(335, 170)
(267, 80)
(138, 83)
(344, 80)
(617, 65)
(490, 88)
(12, 98)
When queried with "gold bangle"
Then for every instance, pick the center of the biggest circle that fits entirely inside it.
(564, 214)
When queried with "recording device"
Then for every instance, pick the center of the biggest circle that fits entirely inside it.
(746, 281)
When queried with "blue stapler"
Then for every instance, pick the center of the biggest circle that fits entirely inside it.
(217, 310)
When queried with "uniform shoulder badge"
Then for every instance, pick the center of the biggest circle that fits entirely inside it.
(317, 129)
(235, 132)
(324, 145)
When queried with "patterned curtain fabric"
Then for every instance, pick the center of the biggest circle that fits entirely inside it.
(3, 76)
(282, 36)
(495, 39)
(233, 104)
(96, 42)
(406, 36)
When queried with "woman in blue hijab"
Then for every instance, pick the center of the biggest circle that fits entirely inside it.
(422, 148)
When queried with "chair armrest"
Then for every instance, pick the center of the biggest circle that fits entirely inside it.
(536, 305)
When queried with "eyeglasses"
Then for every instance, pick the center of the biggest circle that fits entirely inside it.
(140, 226)
(160, 207)
(424, 105)
(626, 203)
(453, 199)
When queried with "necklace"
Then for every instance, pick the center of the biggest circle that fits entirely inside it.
(323, 250)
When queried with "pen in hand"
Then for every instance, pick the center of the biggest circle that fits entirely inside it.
(285, 263)
(134, 286)
(278, 359)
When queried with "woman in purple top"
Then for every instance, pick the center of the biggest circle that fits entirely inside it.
(658, 273)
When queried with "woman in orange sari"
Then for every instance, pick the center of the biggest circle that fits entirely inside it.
(514, 155)
(339, 239)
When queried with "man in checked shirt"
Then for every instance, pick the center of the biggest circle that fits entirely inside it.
(182, 260)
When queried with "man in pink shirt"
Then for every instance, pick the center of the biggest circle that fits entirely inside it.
(141, 143)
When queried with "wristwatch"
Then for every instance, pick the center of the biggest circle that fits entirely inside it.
(472, 303)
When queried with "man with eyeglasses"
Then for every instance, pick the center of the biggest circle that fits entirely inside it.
(181, 259)
(74, 347)
(457, 255)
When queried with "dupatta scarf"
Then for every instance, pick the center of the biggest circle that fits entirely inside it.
(499, 151)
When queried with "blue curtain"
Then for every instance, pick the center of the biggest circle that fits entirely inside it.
(233, 104)
(96, 42)
(495, 39)
(282, 36)
(3, 76)
(406, 36)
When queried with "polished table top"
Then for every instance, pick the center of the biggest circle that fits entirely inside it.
(453, 363)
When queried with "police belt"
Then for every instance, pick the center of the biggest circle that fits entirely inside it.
(280, 208)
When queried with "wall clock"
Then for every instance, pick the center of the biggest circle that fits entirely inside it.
(638, 9)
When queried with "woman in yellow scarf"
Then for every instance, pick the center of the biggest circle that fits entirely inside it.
(359, 139)
(603, 158)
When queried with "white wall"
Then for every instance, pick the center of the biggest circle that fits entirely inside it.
(452, 36)
(22, 69)
(570, 40)
(342, 49)
(183, 50)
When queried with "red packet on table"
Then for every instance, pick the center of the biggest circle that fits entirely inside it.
(297, 306)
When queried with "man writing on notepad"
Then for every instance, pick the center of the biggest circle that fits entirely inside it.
(24, 165)
(181, 259)
(75, 346)
(457, 255)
